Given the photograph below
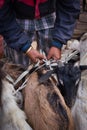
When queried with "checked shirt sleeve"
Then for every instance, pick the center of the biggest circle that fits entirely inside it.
(12, 32)
(67, 12)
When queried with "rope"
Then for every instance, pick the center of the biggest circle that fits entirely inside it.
(23, 75)
(48, 63)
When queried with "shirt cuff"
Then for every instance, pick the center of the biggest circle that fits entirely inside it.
(25, 47)
(57, 44)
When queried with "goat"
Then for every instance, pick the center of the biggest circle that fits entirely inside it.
(47, 109)
(69, 77)
(11, 116)
(43, 104)
(79, 110)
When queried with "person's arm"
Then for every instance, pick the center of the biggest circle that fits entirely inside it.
(67, 12)
(13, 34)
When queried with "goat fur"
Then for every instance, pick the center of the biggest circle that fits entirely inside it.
(12, 117)
(43, 104)
(46, 107)
(79, 110)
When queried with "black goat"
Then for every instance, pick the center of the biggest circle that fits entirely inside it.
(68, 79)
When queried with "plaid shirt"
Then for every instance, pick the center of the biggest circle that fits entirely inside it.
(38, 24)
(31, 26)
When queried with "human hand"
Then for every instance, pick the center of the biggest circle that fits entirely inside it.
(34, 55)
(54, 53)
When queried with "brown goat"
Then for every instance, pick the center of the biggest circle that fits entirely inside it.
(44, 105)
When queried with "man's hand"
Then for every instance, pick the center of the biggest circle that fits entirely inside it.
(54, 53)
(35, 55)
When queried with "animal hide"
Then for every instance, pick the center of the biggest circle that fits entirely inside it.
(45, 106)
(11, 116)
(79, 110)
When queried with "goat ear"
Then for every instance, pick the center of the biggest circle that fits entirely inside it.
(83, 67)
(45, 76)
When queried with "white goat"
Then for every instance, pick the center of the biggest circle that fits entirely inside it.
(12, 117)
(79, 110)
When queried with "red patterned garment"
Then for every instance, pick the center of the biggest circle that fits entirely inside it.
(1, 3)
(32, 3)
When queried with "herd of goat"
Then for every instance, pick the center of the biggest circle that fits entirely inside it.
(46, 101)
